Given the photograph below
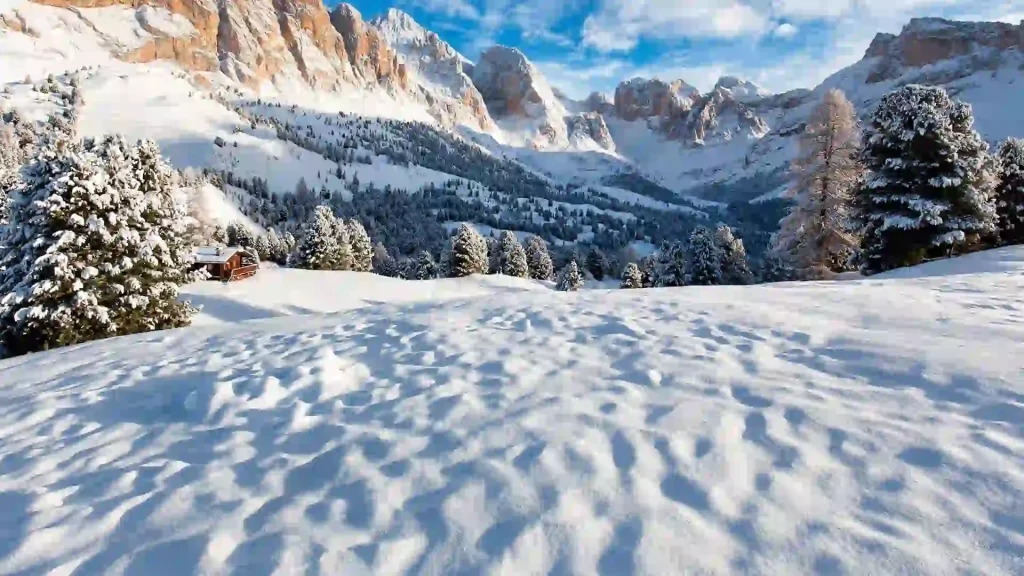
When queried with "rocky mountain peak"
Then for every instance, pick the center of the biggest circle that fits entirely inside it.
(369, 52)
(510, 84)
(927, 41)
(740, 90)
(653, 98)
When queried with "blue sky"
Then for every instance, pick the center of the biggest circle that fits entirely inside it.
(585, 45)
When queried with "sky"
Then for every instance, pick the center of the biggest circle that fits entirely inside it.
(592, 45)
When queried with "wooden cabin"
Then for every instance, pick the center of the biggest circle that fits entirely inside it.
(226, 264)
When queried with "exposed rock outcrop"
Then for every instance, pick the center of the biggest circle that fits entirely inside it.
(927, 41)
(441, 75)
(512, 87)
(590, 125)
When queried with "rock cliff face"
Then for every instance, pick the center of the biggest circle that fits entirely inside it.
(680, 112)
(927, 41)
(440, 75)
(513, 88)
(254, 41)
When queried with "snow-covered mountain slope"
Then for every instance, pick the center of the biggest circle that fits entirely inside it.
(469, 426)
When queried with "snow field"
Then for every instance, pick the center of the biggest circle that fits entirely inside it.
(489, 425)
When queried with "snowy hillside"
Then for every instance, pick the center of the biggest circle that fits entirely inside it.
(489, 425)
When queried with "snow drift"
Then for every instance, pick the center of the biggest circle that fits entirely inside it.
(497, 427)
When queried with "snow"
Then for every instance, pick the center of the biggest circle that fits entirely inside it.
(351, 424)
(123, 26)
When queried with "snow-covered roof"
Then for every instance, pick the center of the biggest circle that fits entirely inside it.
(215, 254)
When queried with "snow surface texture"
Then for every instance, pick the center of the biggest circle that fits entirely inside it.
(489, 425)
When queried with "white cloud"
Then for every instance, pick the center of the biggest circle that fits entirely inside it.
(619, 24)
(785, 30)
(452, 8)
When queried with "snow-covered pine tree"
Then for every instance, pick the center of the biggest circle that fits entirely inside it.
(647, 266)
(735, 268)
(343, 259)
(570, 279)
(596, 263)
(704, 259)
(163, 261)
(275, 245)
(632, 277)
(240, 236)
(319, 247)
(51, 289)
(493, 255)
(513, 256)
(262, 247)
(930, 188)
(362, 248)
(10, 165)
(670, 266)
(774, 269)
(468, 254)
(383, 263)
(220, 235)
(538, 259)
(1010, 191)
(816, 236)
(424, 267)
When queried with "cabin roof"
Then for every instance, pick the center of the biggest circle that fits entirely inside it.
(215, 254)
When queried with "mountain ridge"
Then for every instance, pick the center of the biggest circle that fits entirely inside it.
(735, 137)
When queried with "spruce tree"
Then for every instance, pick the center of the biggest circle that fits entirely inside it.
(424, 267)
(632, 277)
(596, 263)
(570, 279)
(1010, 191)
(319, 247)
(703, 258)
(468, 254)
(669, 266)
(52, 288)
(816, 236)
(362, 248)
(262, 247)
(774, 269)
(493, 255)
(163, 261)
(647, 266)
(538, 259)
(343, 257)
(930, 187)
(735, 269)
(513, 256)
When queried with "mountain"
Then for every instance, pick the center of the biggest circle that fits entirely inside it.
(268, 78)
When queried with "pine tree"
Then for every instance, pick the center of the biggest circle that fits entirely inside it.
(930, 188)
(774, 269)
(424, 267)
(735, 269)
(596, 263)
(468, 254)
(262, 247)
(647, 266)
(51, 286)
(1010, 191)
(362, 248)
(343, 257)
(493, 255)
(275, 245)
(632, 277)
(163, 261)
(704, 259)
(319, 248)
(240, 236)
(538, 259)
(816, 236)
(669, 266)
(513, 256)
(220, 235)
(10, 165)
(570, 279)
(98, 245)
